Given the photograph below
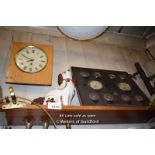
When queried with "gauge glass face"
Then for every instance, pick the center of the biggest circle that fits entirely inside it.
(94, 97)
(139, 98)
(112, 76)
(115, 93)
(124, 86)
(109, 97)
(123, 77)
(96, 85)
(97, 75)
(126, 98)
(31, 59)
(84, 74)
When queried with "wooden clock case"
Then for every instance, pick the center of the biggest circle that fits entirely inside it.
(15, 75)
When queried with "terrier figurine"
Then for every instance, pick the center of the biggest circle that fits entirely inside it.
(65, 91)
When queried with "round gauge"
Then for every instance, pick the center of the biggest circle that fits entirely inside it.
(31, 59)
(123, 77)
(115, 93)
(96, 85)
(126, 98)
(112, 76)
(108, 97)
(94, 97)
(97, 75)
(84, 74)
(139, 98)
(124, 86)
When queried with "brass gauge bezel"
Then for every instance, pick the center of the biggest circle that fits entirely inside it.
(112, 76)
(95, 84)
(124, 86)
(108, 97)
(94, 97)
(139, 98)
(84, 74)
(126, 98)
(97, 75)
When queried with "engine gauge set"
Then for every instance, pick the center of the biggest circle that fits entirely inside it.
(98, 87)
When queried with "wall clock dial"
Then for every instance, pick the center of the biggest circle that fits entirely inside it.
(31, 59)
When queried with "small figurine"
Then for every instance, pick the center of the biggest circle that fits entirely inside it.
(64, 93)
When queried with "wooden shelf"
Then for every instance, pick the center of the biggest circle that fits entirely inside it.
(80, 115)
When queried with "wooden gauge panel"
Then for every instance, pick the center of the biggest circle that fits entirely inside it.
(30, 63)
(98, 87)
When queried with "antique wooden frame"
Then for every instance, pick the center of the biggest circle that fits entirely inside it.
(15, 75)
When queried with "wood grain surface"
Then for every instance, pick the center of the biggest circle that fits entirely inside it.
(15, 75)
(80, 115)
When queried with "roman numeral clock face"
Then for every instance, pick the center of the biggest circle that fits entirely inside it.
(31, 59)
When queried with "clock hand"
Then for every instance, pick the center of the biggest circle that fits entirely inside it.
(26, 56)
(30, 60)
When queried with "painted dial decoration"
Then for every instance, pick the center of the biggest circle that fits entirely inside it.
(96, 85)
(31, 59)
